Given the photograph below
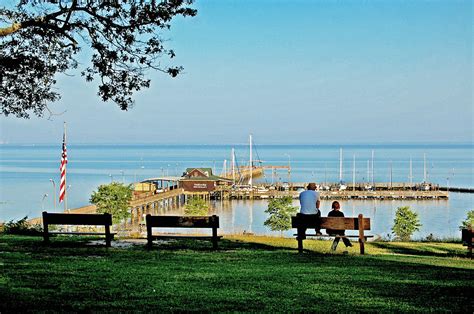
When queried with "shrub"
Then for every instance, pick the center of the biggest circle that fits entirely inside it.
(469, 222)
(196, 206)
(22, 227)
(405, 224)
(280, 210)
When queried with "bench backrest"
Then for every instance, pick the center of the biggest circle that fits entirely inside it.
(182, 221)
(77, 219)
(335, 223)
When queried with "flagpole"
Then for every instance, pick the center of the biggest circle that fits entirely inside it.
(65, 182)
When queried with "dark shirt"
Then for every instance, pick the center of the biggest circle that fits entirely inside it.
(335, 213)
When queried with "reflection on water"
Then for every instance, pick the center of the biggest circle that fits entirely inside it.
(438, 217)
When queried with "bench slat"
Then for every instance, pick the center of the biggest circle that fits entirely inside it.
(82, 233)
(183, 221)
(335, 223)
(77, 219)
(333, 236)
(183, 237)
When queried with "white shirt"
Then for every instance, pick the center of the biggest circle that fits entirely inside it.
(308, 200)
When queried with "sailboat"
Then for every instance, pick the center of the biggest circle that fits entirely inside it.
(342, 186)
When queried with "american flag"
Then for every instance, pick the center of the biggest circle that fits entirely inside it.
(62, 168)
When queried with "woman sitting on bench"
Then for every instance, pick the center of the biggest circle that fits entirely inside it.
(335, 212)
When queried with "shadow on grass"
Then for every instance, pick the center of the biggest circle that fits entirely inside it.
(421, 248)
(76, 245)
(224, 245)
(242, 276)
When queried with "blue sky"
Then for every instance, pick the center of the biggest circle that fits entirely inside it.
(291, 72)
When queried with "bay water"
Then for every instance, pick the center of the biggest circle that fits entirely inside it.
(27, 172)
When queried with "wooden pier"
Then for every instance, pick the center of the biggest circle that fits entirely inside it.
(333, 195)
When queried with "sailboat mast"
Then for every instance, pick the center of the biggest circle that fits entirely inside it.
(233, 165)
(368, 171)
(411, 173)
(224, 168)
(353, 172)
(391, 174)
(250, 161)
(424, 168)
(373, 168)
(340, 165)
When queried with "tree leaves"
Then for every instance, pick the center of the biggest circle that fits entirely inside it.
(406, 223)
(114, 199)
(124, 39)
(280, 211)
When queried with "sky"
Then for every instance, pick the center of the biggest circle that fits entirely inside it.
(289, 72)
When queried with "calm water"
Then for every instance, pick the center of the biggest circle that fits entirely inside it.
(25, 172)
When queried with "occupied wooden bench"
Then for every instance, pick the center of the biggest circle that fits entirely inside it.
(78, 219)
(467, 239)
(182, 222)
(303, 222)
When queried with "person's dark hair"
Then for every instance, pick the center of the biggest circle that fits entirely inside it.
(312, 186)
(334, 203)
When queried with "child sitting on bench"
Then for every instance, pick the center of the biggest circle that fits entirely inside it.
(335, 212)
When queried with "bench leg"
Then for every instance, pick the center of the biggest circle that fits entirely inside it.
(469, 251)
(149, 244)
(360, 220)
(108, 236)
(214, 235)
(46, 237)
(300, 244)
(362, 246)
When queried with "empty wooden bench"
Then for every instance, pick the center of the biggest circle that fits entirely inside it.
(211, 222)
(304, 222)
(467, 236)
(78, 219)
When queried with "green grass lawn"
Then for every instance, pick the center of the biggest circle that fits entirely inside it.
(245, 274)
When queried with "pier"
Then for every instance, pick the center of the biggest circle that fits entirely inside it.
(454, 189)
(263, 192)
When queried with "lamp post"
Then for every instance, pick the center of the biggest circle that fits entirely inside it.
(54, 193)
(42, 201)
(123, 176)
(67, 189)
(111, 178)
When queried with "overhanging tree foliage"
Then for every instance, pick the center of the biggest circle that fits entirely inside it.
(113, 198)
(39, 39)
